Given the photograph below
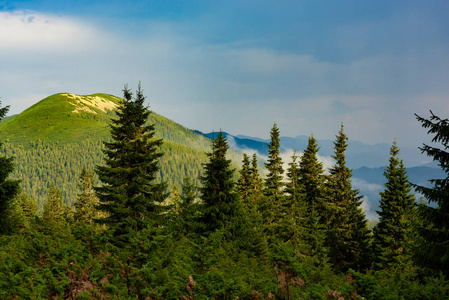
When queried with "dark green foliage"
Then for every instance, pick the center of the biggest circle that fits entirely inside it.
(256, 184)
(8, 188)
(85, 206)
(244, 182)
(294, 210)
(186, 212)
(311, 178)
(293, 189)
(225, 270)
(273, 181)
(397, 284)
(311, 183)
(220, 201)
(42, 163)
(210, 248)
(394, 233)
(272, 205)
(56, 216)
(24, 212)
(347, 232)
(434, 251)
(130, 195)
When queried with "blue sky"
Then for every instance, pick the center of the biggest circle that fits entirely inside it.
(240, 65)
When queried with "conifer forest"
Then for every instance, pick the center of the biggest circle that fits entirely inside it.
(134, 228)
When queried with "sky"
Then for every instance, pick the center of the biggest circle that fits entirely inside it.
(240, 66)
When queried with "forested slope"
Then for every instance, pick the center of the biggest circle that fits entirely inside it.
(53, 140)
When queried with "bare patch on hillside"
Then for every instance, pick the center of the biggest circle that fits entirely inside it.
(86, 103)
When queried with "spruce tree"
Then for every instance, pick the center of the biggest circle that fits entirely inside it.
(434, 250)
(273, 202)
(311, 183)
(244, 181)
(28, 209)
(393, 235)
(347, 235)
(273, 182)
(188, 212)
(256, 184)
(130, 194)
(220, 200)
(312, 179)
(86, 212)
(54, 211)
(294, 208)
(8, 188)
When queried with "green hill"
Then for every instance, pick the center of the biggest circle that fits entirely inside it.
(54, 139)
(62, 118)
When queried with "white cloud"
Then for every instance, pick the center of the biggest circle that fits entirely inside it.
(361, 184)
(30, 31)
(370, 213)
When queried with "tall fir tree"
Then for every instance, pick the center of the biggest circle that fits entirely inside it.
(394, 234)
(8, 188)
(256, 183)
(294, 208)
(312, 179)
(244, 181)
(344, 237)
(311, 183)
(273, 182)
(130, 194)
(86, 212)
(292, 186)
(220, 201)
(54, 212)
(26, 211)
(434, 249)
(273, 201)
(188, 212)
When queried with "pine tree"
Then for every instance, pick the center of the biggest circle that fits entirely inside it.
(188, 211)
(174, 201)
(28, 207)
(244, 181)
(393, 235)
(188, 194)
(130, 195)
(311, 178)
(294, 208)
(256, 184)
(220, 201)
(273, 202)
(85, 206)
(292, 186)
(434, 251)
(54, 212)
(343, 214)
(273, 182)
(8, 188)
(311, 182)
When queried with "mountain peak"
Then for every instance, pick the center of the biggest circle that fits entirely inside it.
(62, 117)
(87, 102)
